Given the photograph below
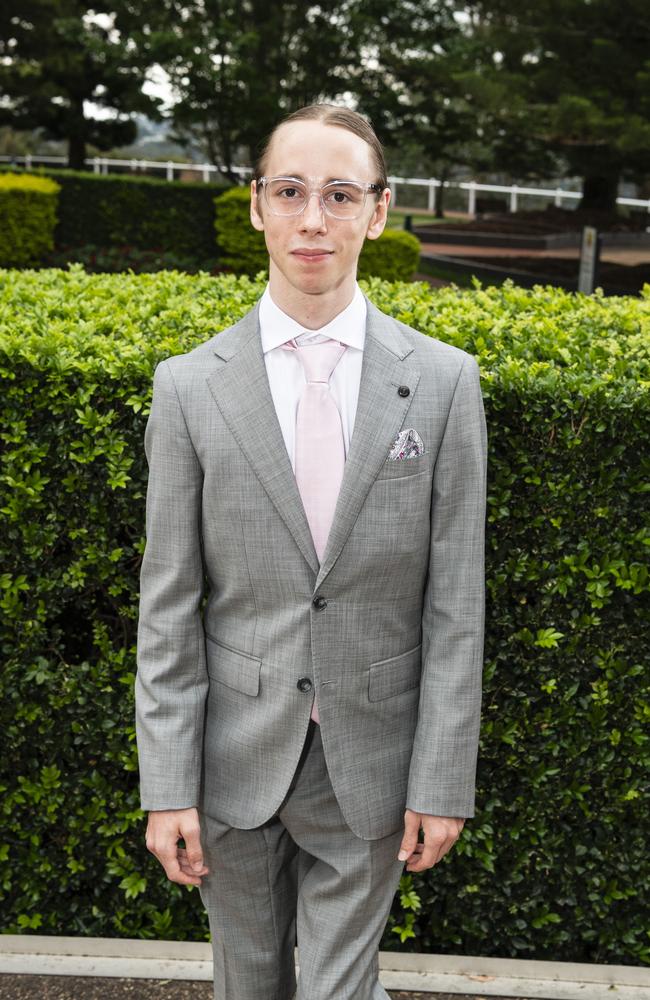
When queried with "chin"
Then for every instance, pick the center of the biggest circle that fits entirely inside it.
(313, 285)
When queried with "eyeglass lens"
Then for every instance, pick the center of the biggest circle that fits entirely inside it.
(342, 199)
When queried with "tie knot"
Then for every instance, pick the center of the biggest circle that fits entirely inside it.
(318, 360)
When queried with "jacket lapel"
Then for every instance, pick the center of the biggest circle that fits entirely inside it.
(241, 391)
(240, 388)
(378, 419)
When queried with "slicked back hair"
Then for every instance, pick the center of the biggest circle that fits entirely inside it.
(330, 114)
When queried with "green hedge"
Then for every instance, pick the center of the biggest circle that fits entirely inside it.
(394, 256)
(144, 212)
(241, 248)
(28, 207)
(555, 863)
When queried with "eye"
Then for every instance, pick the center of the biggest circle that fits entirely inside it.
(288, 193)
(343, 194)
(338, 196)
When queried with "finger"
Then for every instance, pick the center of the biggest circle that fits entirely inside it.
(191, 833)
(453, 833)
(416, 853)
(430, 854)
(195, 877)
(444, 848)
(187, 868)
(434, 851)
(410, 837)
(421, 862)
(185, 864)
(167, 856)
(175, 873)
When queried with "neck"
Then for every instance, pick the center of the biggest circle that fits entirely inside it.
(311, 310)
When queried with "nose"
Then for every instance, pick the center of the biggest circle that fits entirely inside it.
(313, 216)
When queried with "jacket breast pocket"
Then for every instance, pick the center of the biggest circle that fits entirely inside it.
(232, 667)
(404, 468)
(395, 675)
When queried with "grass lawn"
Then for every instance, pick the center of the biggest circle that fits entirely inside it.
(419, 217)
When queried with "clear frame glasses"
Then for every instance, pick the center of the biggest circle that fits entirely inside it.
(340, 199)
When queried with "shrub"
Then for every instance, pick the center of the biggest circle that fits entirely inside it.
(145, 212)
(27, 217)
(241, 248)
(394, 256)
(554, 864)
(113, 260)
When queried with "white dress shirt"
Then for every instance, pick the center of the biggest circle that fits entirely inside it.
(285, 372)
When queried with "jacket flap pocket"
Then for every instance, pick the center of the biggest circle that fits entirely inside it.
(235, 669)
(395, 675)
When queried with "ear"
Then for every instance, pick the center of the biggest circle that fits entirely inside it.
(379, 216)
(256, 218)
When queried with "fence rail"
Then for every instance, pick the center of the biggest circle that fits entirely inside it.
(102, 165)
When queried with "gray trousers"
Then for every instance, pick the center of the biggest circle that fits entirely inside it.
(302, 875)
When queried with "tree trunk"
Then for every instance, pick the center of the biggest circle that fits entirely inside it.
(599, 193)
(76, 152)
(440, 193)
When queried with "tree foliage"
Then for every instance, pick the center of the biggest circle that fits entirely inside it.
(58, 55)
(422, 86)
(533, 89)
(576, 74)
(238, 67)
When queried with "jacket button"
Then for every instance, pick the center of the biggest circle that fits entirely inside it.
(404, 391)
(304, 684)
(319, 603)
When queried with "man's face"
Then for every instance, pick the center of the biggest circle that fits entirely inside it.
(314, 253)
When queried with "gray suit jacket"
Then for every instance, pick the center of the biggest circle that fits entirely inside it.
(389, 629)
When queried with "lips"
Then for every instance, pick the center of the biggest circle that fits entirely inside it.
(311, 253)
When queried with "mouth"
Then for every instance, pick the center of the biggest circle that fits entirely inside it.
(311, 255)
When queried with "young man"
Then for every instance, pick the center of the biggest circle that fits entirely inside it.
(323, 467)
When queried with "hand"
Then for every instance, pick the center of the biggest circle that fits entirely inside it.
(164, 828)
(440, 834)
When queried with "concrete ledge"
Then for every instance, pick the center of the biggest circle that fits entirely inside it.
(473, 237)
(485, 272)
(473, 975)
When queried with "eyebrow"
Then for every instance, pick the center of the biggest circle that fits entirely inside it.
(329, 180)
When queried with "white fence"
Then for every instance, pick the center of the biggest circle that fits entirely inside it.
(102, 165)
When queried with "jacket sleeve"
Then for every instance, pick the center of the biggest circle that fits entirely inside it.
(171, 681)
(442, 772)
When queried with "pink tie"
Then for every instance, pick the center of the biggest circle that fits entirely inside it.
(320, 451)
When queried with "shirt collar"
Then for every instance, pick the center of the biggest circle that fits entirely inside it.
(349, 327)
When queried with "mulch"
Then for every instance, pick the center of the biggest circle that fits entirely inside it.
(27, 987)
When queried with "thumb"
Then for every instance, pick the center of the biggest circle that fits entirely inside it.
(410, 838)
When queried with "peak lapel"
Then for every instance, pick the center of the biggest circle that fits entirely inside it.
(379, 416)
(241, 391)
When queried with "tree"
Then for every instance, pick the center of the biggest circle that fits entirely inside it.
(236, 68)
(578, 72)
(430, 85)
(59, 55)
(537, 88)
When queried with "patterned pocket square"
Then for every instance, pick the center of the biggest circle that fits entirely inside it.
(408, 444)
